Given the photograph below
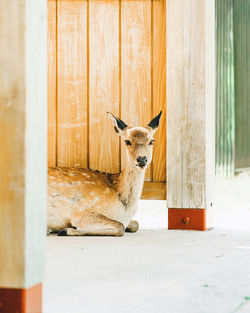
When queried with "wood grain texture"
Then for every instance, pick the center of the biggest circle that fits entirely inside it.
(136, 66)
(154, 191)
(159, 86)
(210, 100)
(51, 46)
(12, 136)
(103, 84)
(72, 83)
(23, 128)
(186, 104)
(119, 67)
(190, 126)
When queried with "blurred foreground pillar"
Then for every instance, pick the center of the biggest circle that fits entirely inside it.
(23, 111)
(190, 111)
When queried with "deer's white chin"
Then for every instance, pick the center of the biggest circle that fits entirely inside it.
(139, 168)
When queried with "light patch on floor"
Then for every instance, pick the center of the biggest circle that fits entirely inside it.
(232, 203)
(152, 214)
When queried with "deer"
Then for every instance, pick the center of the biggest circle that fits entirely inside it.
(89, 202)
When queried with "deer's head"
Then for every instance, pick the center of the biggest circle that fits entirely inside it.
(139, 141)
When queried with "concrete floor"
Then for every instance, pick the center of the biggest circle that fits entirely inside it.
(156, 270)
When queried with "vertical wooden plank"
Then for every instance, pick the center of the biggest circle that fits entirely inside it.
(159, 87)
(210, 104)
(103, 84)
(190, 99)
(51, 46)
(12, 135)
(136, 66)
(23, 153)
(186, 104)
(72, 83)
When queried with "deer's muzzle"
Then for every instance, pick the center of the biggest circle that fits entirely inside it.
(142, 161)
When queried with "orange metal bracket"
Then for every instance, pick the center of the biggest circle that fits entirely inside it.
(187, 219)
(21, 300)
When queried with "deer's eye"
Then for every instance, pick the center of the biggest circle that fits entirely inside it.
(152, 142)
(128, 143)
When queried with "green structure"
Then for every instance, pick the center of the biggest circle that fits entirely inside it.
(232, 86)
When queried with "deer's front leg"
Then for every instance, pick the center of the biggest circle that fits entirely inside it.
(133, 227)
(93, 225)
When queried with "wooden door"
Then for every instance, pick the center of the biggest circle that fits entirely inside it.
(105, 56)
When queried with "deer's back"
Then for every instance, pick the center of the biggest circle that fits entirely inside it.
(72, 191)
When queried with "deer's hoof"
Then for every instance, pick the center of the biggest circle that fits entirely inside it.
(62, 233)
(132, 227)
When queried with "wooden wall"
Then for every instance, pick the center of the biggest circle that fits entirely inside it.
(104, 56)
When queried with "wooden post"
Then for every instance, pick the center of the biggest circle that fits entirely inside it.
(190, 111)
(23, 130)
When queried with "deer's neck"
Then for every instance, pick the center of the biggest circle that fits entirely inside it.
(130, 186)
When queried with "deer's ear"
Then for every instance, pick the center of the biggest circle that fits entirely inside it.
(154, 124)
(119, 125)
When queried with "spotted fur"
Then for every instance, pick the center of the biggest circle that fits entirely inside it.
(87, 202)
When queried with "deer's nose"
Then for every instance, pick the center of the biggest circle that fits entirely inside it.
(142, 161)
